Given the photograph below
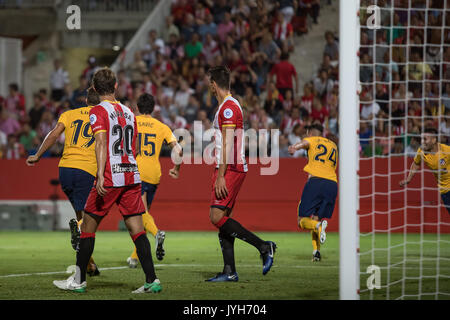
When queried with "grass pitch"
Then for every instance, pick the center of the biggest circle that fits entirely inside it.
(30, 261)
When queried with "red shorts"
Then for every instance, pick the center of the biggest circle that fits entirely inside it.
(233, 180)
(127, 198)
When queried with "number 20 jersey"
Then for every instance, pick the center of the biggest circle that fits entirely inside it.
(119, 123)
(322, 158)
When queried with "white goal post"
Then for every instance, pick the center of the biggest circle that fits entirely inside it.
(348, 149)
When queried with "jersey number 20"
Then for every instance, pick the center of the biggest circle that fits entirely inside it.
(124, 134)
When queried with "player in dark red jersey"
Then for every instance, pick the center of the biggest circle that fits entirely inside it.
(118, 181)
(228, 177)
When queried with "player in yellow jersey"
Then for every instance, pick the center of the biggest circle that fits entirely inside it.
(151, 135)
(437, 157)
(78, 165)
(320, 191)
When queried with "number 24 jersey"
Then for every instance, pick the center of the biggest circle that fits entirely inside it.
(322, 158)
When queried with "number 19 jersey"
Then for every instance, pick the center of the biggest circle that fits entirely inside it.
(119, 123)
(79, 146)
(322, 158)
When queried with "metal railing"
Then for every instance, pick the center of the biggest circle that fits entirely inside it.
(115, 5)
(24, 4)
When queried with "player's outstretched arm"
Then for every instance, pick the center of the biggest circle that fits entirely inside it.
(412, 171)
(48, 142)
(100, 152)
(301, 145)
(175, 147)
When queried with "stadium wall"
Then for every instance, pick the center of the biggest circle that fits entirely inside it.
(265, 203)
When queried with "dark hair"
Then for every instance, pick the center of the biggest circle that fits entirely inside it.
(221, 76)
(14, 86)
(316, 126)
(431, 130)
(284, 56)
(92, 97)
(104, 81)
(146, 103)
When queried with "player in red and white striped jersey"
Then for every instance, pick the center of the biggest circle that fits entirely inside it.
(118, 181)
(228, 177)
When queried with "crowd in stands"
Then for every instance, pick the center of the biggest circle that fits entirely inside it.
(255, 40)
(404, 75)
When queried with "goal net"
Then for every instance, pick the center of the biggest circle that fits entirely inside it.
(404, 74)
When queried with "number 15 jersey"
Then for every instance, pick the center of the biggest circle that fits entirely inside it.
(119, 123)
(322, 158)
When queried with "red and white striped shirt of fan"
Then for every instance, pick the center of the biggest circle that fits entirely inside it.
(119, 123)
(229, 115)
(282, 31)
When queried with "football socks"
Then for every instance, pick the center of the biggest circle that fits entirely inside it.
(145, 257)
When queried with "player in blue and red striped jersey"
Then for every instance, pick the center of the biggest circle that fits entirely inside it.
(230, 172)
(118, 181)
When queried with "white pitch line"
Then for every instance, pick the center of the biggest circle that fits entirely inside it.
(187, 265)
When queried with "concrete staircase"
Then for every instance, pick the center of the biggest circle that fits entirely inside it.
(308, 52)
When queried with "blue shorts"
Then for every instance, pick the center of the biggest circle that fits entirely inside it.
(318, 198)
(446, 199)
(151, 190)
(77, 185)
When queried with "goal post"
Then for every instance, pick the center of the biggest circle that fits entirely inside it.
(348, 150)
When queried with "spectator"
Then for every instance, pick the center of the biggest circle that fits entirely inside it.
(296, 137)
(14, 150)
(261, 67)
(307, 98)
(59, 80)
(283, 32)
(46, 124)
(290, 122)
(269, 47)
(153, 46)
(89, 71)
(124, 89)
(284, 72)
(194, 47)
(188, 28)
(169, 29)
(182, 95)
(15, 101)
(240, 8)
(208, 27)
(79, 94)
(331, 46)
(173, 49)
(365, 71)
(36, 111)
(283, 147)
(333, 121)
(323, 84)
(29, 139)
(210, 49)
(137, 68)
(225, 27)
(8, 124)
(319, 113)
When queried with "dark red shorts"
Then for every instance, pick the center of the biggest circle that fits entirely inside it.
(127, 198)
(233, 180)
